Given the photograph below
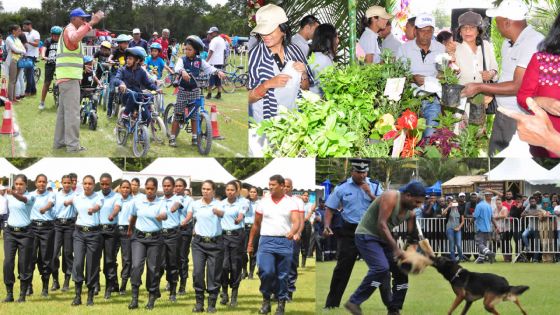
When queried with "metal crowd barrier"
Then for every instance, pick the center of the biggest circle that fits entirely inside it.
(542, 237)
(89, 50)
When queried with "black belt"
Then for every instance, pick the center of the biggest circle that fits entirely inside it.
(87, 228)
(147, 234)
(65, 221)
(248, 226)
(108, 227)
(41, 223)
(207, 239)
(235, 232)
(22, 229)
(169, 231)
(123, 227)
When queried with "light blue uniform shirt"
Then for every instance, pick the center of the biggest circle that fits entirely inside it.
(207, 223)
(82, 203)
(173, 218)
(354, 200)
(19, 212)
(231, 211)
(109, 203)
(61, 211)
(483, 217)
(187, 204)
(126, 209)
(145, 212)
(250, 215)
(41, 200)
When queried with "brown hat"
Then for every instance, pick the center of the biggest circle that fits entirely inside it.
(470, 18)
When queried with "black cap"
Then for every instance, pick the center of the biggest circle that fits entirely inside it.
(360, 165)
(26, 22)
(414, 188)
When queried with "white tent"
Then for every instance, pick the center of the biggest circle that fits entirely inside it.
(54, 168)
(300, 171)
(197, 169)
(514, 169)
(6, 168)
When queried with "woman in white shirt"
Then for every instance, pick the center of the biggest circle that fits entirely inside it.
(15, 51)
(322, 53)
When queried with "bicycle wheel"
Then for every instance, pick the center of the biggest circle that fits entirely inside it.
(55, 94)
(106, 92)
(204, 134)
(83, 115)
(122, 134)
(158, 130)
(93, 120)
(241, 81)
(37, 74)
(228, 85)
(141, 143)
(168, 81)
(169, 115)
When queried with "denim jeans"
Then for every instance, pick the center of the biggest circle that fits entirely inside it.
(454, 238)
(30, 79)
(430, 111)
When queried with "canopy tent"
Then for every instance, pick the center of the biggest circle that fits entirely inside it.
(435, 189)
(554, 173)
(197, 169)
(300, 171)
(514, 169)
(6, 168)
(54, 168)
(465, 183)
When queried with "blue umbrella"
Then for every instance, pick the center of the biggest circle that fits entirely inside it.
(328, 186)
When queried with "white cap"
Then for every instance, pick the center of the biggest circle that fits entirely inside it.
(378, 11)
(136, 31)
(213, 29)
(514, 10)
(462, 194)
(268, 18)
(425, 20)
(155, 33)
(165, 30)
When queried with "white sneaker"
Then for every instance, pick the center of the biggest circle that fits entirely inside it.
(41, 106)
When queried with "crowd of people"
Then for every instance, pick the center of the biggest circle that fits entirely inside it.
(524, 87)
(66, 231)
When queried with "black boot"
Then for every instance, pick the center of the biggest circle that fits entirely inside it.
(250, 275)
(233, 302)
(78, 298)
(108, 291)
(66, 285)
(219, 95)
(151, 301)
(90, 294)
(168, 286)
(244, 273)
(182, 286)
(199, 306)
(224, 296)
(122, 290)
(115, 285)
(96, 289)
(55, 284)
(212, 304)
(29, 290)
(173, 292)
(280, 308)
(24, 285)
(9, 294)
(303, 259)
(209, 95)
(265, 308)
(45, 291)
(134, 303)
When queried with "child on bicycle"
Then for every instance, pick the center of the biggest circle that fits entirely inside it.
(132, 76)
(102, 58)
(190, 67)
(118, 56)
(155, 64)
(48, 53)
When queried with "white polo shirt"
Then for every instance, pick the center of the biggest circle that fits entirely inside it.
(515, 56)
(369, 44)
(32, 36)
(301, 43)
(426, 66)
(276, 219)
(218, 47)
(392, 43)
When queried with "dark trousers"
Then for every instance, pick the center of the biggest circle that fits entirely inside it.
(30, 78)
(3, 218)
(110, 243)
(233, 249)
(20, 243)
(502, 131)
(215, 79)
(347, 254)
(316, 244)
(184, 250)
(146, 250)
(305, 239)
(63, 243)
(379, 258)
(170, 255)
(126, 252)
(43, 248)
(208, 260)
(293, 274)
(250, 260)
(87, 253)
(274, 259)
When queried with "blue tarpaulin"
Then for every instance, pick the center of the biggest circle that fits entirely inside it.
(328, 186)
(435, 189)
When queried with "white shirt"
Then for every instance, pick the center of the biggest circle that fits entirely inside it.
(392, 43)
(515, 56)
(369, 44)
(471, 63)
(218, 47)
(276, 219)
(3, 206)
(32, 36)
(301, 43)
(318, 61)
(426, 67)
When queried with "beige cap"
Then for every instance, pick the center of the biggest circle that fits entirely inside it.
(268, 18)
(515, 10)
(378, 11)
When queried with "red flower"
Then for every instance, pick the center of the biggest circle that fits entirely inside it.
(260, 2)
(409, 147)
(393, 134)
(408, 120)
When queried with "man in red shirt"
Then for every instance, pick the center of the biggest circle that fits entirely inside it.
(509, 200)
(164, 41)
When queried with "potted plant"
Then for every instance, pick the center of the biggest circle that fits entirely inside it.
(450, 87)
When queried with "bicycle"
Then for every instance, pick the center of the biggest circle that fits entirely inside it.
(158, 128)
(104, 94)
(88, 115)
(54, 90)
(136, 125)
(234, 80)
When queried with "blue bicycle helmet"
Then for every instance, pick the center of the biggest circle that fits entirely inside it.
(56, 30)
(88, 59)
(137, 52)
(156, 46)
(123, 38)
(195, 42)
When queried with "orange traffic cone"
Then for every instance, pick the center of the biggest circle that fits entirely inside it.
(7, 122)
(4, 88)
(214, 120)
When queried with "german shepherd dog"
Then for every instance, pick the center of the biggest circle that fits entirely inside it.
(472, 286)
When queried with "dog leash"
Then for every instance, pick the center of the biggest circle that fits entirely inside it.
(456, 275)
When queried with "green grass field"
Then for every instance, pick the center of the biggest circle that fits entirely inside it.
(37, 131)
(249, 298)
(430, 293)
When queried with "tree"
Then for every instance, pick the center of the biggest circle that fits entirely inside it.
(1, 7)
(243, 167)
(443, 19)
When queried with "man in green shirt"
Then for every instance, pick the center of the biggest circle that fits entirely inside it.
(379, 249)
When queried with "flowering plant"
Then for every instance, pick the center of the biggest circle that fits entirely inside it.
(253, 6)
(448, 75)
(410, 127)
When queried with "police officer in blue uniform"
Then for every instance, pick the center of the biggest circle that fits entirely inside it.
(109, 233)
(65, 218)
(87, 239)
(250, 259)
(18, 238)
(146, 222)
(186, 232)
(42, 225)
(207, 247)
(354, 195)
(123, 207)
(233, 232)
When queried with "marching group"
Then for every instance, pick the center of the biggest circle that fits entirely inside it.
(69, 230)
(528, 68)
